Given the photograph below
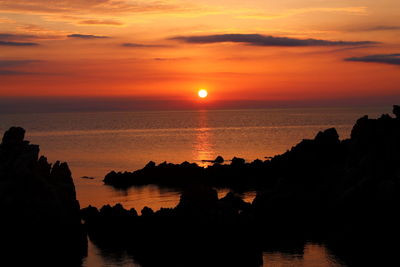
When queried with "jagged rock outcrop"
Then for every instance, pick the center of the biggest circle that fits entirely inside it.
(40, 212)
(219, 160)
(320, 152)
(346, 192)
(190, 174)
(200, 222)
(396, 111)
(349, 190)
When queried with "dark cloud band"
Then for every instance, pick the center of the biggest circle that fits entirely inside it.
(17, 63)
(393, 59)
(11, 43)
(263, 40)
(86, 36)
(136, 45)
(14, 72)
(100, 22)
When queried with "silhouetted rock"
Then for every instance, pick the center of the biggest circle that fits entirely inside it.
(146, 211)
(396, 111)
(199, 197)
(40, 212)
(237, 162)
(345, 193)
(351, 188)
(164, 174)
(219, 160)
(87, 177)
(177, 235)
(316, 176)
(233, 201)
(199, 201)
(150, 165)
(309, 154)
(329, 136)
(13, 137)
(188, 174)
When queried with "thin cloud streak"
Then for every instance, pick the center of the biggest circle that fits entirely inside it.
(137, 45)
(10, 43)
(100, 22)
(392, 59)
(16, 63)
(375, 28)
(16, 72)
(16, 37)
(103, 7)
(86, 36)
(355, 10)
(264, 40)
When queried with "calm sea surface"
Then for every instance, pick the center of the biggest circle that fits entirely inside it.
(95, 143)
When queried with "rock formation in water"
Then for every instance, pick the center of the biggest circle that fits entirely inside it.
(188, 174)
(310, 156)
(346, 191)
(40, 213)
(323, 174)
(311, 168)
(201, 230)
(349, 190)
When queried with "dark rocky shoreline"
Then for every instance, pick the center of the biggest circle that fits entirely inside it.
(40, 213)
(343, 193)
(189, 174)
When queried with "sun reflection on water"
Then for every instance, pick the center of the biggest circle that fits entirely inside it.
(203, 146)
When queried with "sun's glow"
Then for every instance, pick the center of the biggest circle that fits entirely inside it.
(202, 93)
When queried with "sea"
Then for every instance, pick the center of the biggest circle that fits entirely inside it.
(95, 143)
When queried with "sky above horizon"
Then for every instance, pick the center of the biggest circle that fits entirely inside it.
(287, 50)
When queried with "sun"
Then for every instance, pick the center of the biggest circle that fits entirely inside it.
(202, 93)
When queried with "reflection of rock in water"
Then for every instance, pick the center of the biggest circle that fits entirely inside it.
(40, 213)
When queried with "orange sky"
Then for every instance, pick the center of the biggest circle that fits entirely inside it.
(237, 50)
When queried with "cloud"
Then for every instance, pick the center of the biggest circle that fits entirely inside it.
(264, 40)
(100, 22)
(16, 37)
(15, 72)
(86, 36)
(170, 58)
(136, 45)
(353, 10)
(9, 43)
(376, 28)
(93, 6)
(384, 28)
(6, 64)
(16, 63)
(393, 59)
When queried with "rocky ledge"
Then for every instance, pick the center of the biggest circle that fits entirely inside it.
(344, 192)
(40, 213)
(324, 156)
(201, 230)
